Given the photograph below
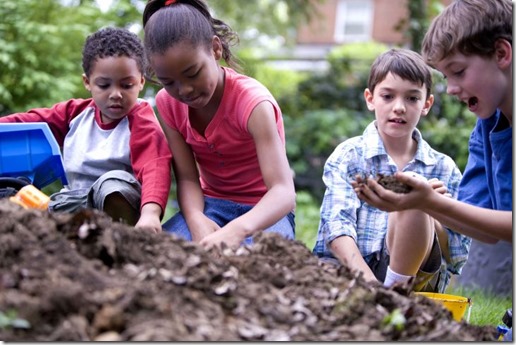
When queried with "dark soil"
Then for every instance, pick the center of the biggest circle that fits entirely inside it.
(83, 277)
(391, 183)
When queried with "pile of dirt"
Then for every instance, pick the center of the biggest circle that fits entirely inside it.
(83, 277)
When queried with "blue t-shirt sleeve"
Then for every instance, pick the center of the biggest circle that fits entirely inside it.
(487, 180)
(473, 188)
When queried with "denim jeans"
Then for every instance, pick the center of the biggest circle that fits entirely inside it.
(222, 212)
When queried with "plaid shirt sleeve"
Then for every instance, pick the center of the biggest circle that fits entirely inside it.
(340, 203)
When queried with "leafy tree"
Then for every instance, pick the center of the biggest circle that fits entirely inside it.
(248, 18)
(264, 17)
(420, 13)
(40, 51)
(41, 41)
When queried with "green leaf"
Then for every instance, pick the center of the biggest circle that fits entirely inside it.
(395, 319)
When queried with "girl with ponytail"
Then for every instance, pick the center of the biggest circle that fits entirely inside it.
(225, 130)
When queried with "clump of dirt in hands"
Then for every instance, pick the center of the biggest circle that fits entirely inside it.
(79, 277)
(391, 183)
(386, 181)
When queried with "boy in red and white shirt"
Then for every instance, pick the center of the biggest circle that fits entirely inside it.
(115, 155)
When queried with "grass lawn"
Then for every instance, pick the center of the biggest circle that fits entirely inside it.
(486, 308)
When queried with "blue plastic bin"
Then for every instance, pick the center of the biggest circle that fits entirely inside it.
(30, 150)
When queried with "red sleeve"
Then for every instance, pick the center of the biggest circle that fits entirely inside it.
(150, 155)
(57, 117)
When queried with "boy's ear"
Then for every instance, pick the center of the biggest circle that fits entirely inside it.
(428, 104)
(86, 82)
(368, 96)
(503, 53)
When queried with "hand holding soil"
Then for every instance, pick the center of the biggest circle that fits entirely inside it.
(390, 182)
(393, 192)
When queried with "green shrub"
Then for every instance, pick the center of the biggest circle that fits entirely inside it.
(307, 219)
(311, 139)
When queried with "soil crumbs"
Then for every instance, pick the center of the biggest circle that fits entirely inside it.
(81, 277)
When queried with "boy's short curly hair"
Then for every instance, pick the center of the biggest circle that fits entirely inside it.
(470, 27)
(112, 41)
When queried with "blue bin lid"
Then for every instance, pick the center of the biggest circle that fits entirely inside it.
(30, 150)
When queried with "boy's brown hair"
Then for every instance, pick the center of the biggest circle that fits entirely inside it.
(470, 27)
(404, 63)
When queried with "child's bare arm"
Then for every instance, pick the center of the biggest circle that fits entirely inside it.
(280, 196)
(480, 223)
(345, 249)
(150, 218)
(189, 192)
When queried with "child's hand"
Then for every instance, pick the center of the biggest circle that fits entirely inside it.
(439, 187)
(230, 234)
(375, 195)
(150, 218)
(149, 223)
(202, 227)
(222, 236)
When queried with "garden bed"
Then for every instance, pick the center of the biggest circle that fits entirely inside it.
(83, 277)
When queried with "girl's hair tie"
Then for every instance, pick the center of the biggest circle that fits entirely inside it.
(170, 2)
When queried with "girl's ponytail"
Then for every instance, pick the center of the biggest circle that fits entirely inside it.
(153, 6)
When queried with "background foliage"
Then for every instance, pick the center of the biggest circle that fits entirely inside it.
(41, 41)
(40, 64)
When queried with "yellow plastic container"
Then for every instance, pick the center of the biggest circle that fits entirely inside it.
(31, 197)
(456, 304)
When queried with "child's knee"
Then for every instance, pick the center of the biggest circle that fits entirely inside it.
(120, 209)
(410, 222)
